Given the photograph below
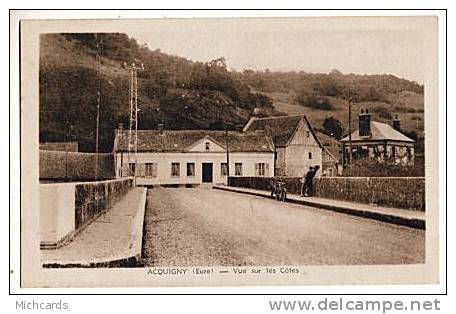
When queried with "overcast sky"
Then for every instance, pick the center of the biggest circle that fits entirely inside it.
(313, 45)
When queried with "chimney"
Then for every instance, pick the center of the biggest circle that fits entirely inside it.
(397, 124)
(161, 128)
(364, 123)
(120, 128)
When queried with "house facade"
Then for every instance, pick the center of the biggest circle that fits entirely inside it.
(379, 141)
(193, 157)
(297, 146)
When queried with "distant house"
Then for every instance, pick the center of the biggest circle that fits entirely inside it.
(379, 141)
(193, 157)
(297, 146)
(332, 154)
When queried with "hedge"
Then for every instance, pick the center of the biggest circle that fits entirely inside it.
(398, 192)
(74, 166)
(370, 168)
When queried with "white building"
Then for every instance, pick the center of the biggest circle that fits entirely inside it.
(193, 157)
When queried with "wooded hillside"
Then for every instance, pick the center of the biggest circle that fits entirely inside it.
(183, 94)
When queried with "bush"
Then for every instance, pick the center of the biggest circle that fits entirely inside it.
(406, 193)
(72, 166)
(311, 101)
(366, 167)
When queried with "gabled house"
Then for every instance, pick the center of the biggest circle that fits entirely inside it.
(193, 157)
(379, 141)
(297, 146)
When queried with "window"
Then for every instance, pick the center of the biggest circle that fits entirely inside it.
(310, 155)
(238, 169)
(131, 169)
(261, 169)
(207, 146)
(275, 155)
(190, 169)
(140, 170)
(151, 170)
(223, 169)
(175, 169)
(308, 133)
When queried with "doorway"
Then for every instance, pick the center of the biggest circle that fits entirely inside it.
(207, 173)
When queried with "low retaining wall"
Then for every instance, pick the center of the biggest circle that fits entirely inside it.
(65, 208)
(398, 192)
(93, 198)
(74, 166)
(56, 212)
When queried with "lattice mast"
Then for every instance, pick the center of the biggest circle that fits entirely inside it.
(133, 69)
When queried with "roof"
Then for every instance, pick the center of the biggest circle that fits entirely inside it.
(380, 131)
(331, 145)
(181, 140)
(280, 128)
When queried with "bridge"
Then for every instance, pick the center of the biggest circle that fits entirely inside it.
(195, 227)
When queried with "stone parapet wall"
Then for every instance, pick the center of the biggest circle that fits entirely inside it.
(398, 192)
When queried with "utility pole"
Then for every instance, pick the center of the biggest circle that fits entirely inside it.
(133, 69)
(349, 129)
(227, 156)
(98, 56)
(97, 134)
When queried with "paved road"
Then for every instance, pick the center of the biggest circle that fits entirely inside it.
(205, 227)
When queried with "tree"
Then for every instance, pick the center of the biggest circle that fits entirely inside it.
(333, 127)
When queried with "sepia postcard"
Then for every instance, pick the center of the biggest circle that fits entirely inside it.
(229, 151)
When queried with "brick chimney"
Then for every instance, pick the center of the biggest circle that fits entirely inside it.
(364, 123)
(397, 124)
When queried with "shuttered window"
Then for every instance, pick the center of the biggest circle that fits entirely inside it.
(131, 169)
(238, 169)
(261, 169)
(151, 170)
(190, 169)
(223, 169)
(175, 169)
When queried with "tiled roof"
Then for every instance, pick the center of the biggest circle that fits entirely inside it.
(281, 128)
(380, 131)
(181, 140)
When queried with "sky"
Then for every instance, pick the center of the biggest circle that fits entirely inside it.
(362, 46)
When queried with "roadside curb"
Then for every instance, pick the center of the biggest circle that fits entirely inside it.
(138, 226)
(389, 218)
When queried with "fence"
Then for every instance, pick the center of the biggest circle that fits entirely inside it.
(58, 166)
(398, 192)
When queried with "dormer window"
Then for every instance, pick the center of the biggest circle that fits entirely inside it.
(207, 145)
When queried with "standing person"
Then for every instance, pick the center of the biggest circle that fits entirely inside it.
(310, 186)
(305, 181)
